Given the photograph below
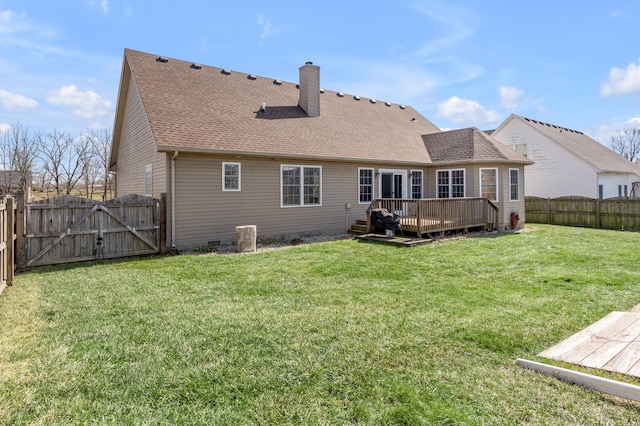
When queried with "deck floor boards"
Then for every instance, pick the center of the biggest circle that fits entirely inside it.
(611, 344)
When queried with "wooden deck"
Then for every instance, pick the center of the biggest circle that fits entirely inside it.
(611, 344)
(437, 215)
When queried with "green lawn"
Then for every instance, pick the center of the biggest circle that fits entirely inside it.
(344, 332)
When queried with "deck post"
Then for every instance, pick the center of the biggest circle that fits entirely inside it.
(419, 218)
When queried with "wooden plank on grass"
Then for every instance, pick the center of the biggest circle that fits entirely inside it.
(626, 359)
(555, 352)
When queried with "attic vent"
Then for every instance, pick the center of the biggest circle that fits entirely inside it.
(225, 72)
(277, 82)
(162, 59)
(340, 94)
(297, 86)
(402, 107)
(196, 66)
(252, 77)
(357, 98)
(322, 90)
(387, 103)
(373, 101)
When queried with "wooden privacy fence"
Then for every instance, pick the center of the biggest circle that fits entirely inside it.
(66, 229)
(611, 213)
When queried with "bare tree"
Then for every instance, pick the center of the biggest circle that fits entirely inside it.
(54, 147)
(18, 152)
(76, 162)
(97, 173)
(627, 143)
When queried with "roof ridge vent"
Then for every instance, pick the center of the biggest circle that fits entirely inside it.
(387, 104)
(373, 101)
(162, 59)
(322, 91)
(357, 98)
(277, 82)
(252, 77)
(225, 72)
(402, 107)
(340, 94)
(195, 66)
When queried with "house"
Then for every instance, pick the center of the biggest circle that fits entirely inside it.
(231, 149)
(14, 181)
(567, 162)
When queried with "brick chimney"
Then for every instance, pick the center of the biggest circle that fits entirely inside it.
(310, 89)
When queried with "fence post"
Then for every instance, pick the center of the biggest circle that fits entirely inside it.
(548, 211)
(10, 240)
(21, 234)
(162, 241)
(598, 213)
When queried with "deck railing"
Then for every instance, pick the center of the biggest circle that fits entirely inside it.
(433, 215)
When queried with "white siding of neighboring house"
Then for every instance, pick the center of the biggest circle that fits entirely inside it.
(611, 181)
(556, 172)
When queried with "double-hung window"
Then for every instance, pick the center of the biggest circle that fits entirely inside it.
(416, 184)
(300, 185)
(450, 183)
(489, 184)
(365, 185)
(231, 176)
(514, 185)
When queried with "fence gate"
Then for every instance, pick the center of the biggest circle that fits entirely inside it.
(66, 229)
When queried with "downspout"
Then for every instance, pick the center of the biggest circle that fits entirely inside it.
(173, 199)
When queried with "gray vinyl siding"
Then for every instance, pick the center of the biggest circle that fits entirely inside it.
(472, 188)
(137, 149)
(206, 214)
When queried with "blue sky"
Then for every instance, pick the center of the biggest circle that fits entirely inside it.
(460, 63)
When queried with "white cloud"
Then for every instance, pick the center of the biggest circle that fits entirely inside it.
(465, 111)
(268, 29)
(104, 5)
(622, 81)
(623, 14)
(635, 121)
(510, 97)
(12, 101)
(85, 104)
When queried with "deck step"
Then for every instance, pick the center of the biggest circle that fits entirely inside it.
(359, 228)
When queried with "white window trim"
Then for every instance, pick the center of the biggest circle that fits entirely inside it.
(231, 163)
(406, 183)
(497, 182)
(519, 185)
(148, 172)
(421, 183)
(464, 176)
(302, 167)
(373, 185)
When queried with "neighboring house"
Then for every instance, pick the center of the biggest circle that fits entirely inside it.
(231, 149)
(567, 162)
(13, 181)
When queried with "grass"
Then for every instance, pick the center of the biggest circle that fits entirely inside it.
(331, 333)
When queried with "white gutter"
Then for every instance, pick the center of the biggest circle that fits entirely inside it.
(613, 387)
(173, 199)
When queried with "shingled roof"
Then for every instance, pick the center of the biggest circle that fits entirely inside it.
(198, 108)
(468, 145)
(590, 150)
